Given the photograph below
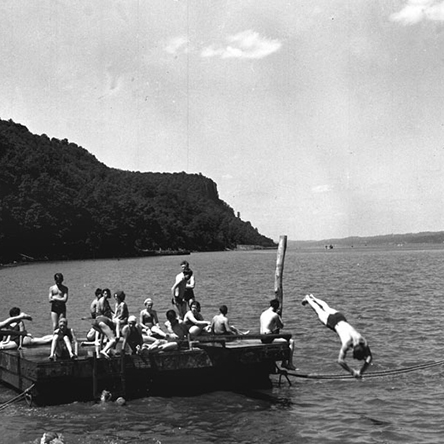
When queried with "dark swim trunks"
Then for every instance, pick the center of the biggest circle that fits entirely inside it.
(269, 340)
(58, 307)
(334, 319)
(107, 321)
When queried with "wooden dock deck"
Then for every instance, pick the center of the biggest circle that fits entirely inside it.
(211, 363)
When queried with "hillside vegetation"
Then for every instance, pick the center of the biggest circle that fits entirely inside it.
(57, 201)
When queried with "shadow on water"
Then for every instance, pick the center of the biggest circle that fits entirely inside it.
(270, 398)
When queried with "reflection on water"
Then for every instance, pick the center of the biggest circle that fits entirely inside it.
(392, 297)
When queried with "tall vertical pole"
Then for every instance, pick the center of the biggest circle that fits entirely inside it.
(278, 291)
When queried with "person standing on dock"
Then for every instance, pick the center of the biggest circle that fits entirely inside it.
(121, 312)
(271, 323)
(103, 307)
(93, 310)
(183, 289)
(58, 297)
(350, 338)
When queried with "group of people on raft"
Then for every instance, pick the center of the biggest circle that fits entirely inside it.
(145, 334)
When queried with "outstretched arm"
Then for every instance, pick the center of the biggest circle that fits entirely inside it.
(190, 316)
(367, 362)
(11, 320)
(344, 365)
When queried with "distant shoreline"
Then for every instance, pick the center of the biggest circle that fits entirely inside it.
(341, 247)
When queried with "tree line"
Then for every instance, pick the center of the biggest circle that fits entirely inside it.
(57, 201)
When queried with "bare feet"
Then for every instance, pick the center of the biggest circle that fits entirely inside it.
(288, 366)
(105, 354)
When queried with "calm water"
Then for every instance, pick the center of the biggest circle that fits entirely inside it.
(393, 297)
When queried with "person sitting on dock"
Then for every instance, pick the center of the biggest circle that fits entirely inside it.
(105, 328)
(121, 313)
(150, 321)
(220, 325)
(350, 338)
(13, 320)
(132, 335)
(271, 323)
(64, 342)
(177, 331)
(17, 334)
(58, 297)
(195, 321)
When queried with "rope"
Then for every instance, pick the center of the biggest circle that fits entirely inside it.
(367, 375)
(23, 394)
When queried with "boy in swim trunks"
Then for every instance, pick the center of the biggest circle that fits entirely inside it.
(58, 296)
(350, 338)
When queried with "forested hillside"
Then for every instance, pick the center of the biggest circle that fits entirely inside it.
(57, 201)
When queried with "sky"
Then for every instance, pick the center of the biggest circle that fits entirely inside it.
(316, 119)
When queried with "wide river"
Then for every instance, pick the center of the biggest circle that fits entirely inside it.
(393, 297)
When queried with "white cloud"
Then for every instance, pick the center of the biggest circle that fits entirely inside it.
(177, 44)
(416, 10)
(321, 189)
(245, 45)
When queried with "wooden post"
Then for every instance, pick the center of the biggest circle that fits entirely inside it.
(278, 291)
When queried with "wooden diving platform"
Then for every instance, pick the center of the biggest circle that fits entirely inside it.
(206, 364)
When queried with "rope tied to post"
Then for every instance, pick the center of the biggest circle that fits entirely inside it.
(17, 398)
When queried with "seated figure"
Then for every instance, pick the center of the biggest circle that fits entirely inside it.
(64, 343)
(17, 336)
